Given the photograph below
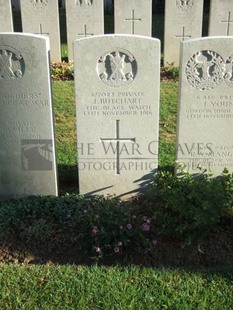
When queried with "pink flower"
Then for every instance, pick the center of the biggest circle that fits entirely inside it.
(97, 249)
(94, 230)
(145, 227)
(119, 243)
(129, 226)
(116, 250)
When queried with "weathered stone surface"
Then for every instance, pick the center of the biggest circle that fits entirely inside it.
(41, 17)
(117, 79)
(6, 23)
(183, 21)
(205, 118)
(133, 17)
(84, 18)
(27, 156)
(221, 18)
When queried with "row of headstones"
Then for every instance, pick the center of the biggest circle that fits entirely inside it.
(117, 105)
(183, 20)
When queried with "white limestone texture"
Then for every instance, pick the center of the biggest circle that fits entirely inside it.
(133, 17)
(183, 21)
(221, 18)
(42, 17)
(27, 151)
(117, 82)
(6, 22)
(84, 18)
(205, 116)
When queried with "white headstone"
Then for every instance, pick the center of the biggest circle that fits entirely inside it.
(27, 156)
(41, 17)
(117, 79)
(84, 18)
(133, 17)
(205, 118)
(183, 21)
(221, 18)
(6, 23)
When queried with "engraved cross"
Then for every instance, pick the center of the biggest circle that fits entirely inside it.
(228, 21)
(41, 31)
(183, 35)
(118, 140)
(85, 34)
(133, 20)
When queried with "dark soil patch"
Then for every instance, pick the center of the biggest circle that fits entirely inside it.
(216, 251)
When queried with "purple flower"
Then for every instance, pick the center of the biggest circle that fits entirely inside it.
(145, 227)
(94, 230)
(148, 221)
(119, 243)
(129, 226)
(116, 250)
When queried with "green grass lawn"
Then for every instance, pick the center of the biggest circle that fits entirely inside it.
(114, 288)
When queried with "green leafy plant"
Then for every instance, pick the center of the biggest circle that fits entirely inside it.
(170, 71)
(189, 207)
(62, 71)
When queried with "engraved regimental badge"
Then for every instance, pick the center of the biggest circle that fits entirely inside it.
(229, 71)
(12, 64)
(39, 3)
(184, 5)
(205, 70)
(83, 2)
(117, 68)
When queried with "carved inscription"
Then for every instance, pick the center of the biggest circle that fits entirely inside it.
(117, 68)
(200, 155)
(22, 100)
(211, 107)
(12, 64)
(117, 104)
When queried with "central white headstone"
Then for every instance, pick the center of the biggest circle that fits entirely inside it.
(133, 17)
(27, 151)
(42, 17)
(6, 23)
(117, 81)
(84, 18)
